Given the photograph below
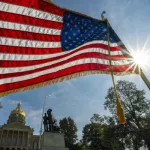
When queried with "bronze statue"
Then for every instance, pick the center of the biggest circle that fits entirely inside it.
(45, 122)
(50, 124)
(50, 120)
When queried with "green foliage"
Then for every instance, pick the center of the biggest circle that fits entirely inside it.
(100, 136)
(68, 127)
(105, 132)
(137, 110)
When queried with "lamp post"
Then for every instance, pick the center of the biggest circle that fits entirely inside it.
(1, 106)
(46, 97)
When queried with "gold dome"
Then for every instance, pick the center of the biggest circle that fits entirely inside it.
(18, 110)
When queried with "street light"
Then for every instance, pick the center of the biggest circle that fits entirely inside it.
(46, 97)
(1, 106)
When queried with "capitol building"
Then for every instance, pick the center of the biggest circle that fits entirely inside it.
(16, 135)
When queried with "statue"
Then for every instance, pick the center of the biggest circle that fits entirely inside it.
(45, 122)
(50, 120)
(50, 124)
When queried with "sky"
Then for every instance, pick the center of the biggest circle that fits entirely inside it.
(80, 98)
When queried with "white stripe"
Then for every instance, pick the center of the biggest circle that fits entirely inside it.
(28, 43)
(27, 68)
(55, 69)
(16, 9)
(5, 56)
(28, 28)
(30, 68)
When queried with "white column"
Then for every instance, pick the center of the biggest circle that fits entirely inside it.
(1, 137)
(27, 139)
(12, 137)
(7, 137)
(17, 138)
(22, 143)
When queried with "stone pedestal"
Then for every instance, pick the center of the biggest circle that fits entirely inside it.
(52, 141)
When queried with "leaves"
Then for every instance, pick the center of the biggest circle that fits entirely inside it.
(137, 110)
(105, 132)
(68, 127)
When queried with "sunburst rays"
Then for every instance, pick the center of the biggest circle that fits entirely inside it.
(140, 56)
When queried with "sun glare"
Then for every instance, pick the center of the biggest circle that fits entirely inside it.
(141, 58)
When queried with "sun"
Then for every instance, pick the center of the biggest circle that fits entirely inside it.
(140, 55)
(141, 58)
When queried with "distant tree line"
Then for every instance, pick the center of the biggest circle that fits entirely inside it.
(105, 132)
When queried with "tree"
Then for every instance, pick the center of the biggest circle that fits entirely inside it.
(100, 134)
(137, 110)
(68, 127)
(91, 136)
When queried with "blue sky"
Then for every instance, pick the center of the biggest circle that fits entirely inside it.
(81, 97)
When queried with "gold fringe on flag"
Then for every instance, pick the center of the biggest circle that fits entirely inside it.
(61, 79)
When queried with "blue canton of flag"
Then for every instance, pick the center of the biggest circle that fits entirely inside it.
(78, 30)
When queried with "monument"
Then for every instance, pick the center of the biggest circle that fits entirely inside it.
(52, 139)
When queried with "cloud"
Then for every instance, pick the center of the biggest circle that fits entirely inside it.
(81, 97)
(12, 102)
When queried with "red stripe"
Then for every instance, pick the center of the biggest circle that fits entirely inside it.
(74, 69)
(15, 18)
(51, 8)
(28, 35)
(37, 4)
(36, 51)
(6, 63)
(42, 68)
(28, 50)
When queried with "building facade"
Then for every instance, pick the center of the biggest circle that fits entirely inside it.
(16, 135)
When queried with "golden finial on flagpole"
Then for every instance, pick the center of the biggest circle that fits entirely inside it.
(102, 16)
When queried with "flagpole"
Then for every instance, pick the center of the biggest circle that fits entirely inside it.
(144, 78)
(120, 111)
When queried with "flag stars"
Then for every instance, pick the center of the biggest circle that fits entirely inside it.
(74, 34)
(79, 30)
(68, 24)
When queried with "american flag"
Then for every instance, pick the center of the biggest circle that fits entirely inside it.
(41, 44)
